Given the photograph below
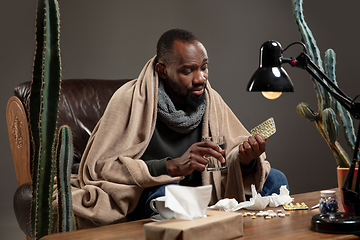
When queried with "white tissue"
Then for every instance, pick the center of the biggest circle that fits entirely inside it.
(257, 202)
(277, 200)
(187, 202)
(226, 205)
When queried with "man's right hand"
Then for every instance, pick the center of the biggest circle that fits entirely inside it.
(194, 158)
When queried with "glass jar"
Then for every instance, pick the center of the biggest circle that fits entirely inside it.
(328, 203)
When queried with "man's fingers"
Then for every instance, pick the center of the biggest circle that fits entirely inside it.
(253, 143)
(247, 146)
(261, 143)
(248, 150)
(259, 138)
(211, 149)
(200, 159)
(200, 167)
(210, 144)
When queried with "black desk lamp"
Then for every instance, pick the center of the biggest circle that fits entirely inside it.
(270, 79)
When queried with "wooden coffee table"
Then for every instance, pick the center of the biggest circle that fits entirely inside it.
(295, 226)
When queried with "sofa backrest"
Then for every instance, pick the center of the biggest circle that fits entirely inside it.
(82, 103)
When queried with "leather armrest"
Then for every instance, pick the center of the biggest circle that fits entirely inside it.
(22, 206)
(18, 129)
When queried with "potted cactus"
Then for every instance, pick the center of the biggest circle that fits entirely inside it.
(331, 115)
(43, 111)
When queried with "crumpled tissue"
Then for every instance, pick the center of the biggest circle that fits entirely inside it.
(257, 202)
(188, 203)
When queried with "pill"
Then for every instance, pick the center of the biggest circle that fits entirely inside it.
(265, 129)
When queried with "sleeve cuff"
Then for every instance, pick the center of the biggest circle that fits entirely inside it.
(158, 167)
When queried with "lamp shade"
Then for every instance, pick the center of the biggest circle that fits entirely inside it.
(270, 76)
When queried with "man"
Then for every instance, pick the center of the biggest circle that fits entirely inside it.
(150, 136)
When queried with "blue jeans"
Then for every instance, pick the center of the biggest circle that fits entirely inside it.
(273, 182)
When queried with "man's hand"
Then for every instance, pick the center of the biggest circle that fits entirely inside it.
(194, 158)
(251, 149)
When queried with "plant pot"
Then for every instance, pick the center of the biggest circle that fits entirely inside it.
(341, 175)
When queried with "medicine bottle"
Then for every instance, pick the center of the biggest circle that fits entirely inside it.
(328, 203)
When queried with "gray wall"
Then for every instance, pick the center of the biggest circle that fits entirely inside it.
(114, 39)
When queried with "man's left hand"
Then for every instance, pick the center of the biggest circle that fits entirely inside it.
(251, 149)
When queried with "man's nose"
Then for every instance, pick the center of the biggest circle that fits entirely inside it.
(200, 77)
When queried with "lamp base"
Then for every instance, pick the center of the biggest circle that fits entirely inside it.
(341, 223)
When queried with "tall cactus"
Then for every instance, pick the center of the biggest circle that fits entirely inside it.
(44, 100)
(326, 118)
(64, 158)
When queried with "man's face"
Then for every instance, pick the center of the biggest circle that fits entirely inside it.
(186, 73)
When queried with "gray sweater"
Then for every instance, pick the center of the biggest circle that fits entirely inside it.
(167, 144)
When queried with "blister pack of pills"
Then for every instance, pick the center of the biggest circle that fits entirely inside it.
(265, 129)
(297, 206)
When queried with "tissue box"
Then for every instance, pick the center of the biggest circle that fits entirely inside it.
(217, 225)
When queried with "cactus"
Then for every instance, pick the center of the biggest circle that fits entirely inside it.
(330, 124)
(326, 118)
(324, 99)
(44, 99)
(43, 112)
(64, 158)
(306, 112)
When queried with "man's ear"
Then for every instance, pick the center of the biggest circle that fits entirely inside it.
(160, 68)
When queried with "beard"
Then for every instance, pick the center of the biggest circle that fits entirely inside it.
(190, 103)
(194, 103)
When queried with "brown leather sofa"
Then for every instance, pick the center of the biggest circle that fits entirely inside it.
(82, 103)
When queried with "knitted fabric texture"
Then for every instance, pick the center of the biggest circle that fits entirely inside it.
(178, 120)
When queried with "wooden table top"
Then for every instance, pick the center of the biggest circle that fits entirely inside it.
(295, 226)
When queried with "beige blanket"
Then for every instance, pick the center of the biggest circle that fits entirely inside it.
(112, 176)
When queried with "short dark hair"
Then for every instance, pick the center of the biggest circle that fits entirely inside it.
(165, 44)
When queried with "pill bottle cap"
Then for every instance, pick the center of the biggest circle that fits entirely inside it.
(327, 193)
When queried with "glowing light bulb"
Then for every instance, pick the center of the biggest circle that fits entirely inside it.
(271, 95)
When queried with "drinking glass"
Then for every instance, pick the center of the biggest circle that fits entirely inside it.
(214, 164)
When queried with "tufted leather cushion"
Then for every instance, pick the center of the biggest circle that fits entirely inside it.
(82, 103)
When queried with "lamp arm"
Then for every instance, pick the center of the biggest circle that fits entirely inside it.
(303, 61)
(351, 197)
